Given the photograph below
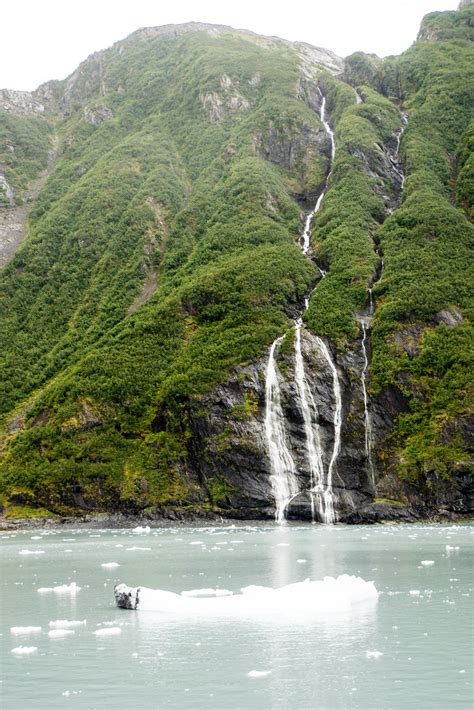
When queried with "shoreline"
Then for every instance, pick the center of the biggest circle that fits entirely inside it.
(113, 521)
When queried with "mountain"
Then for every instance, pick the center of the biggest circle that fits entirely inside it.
(151, 213)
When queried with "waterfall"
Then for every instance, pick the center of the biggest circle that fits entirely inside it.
(306, 236)
(330, 515)
(358, 97)
(367, 419)
(327, 128)
(283, 478)
(283, 470)
(308, 407)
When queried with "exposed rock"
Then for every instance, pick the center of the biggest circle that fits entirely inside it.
(451, 317)
(7, 194)
(287, 147)
(97, 114)
(14, 219)
(20, 103)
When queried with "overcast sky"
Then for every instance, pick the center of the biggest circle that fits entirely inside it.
(47, 39)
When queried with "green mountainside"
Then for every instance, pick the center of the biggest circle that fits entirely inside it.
(161, 256)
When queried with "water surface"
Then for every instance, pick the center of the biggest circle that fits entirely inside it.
(412, 649)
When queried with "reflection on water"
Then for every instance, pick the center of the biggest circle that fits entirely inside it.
(410, 649)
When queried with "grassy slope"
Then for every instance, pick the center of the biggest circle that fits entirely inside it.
(158, 186)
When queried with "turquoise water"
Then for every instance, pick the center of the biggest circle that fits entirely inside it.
(411, 649)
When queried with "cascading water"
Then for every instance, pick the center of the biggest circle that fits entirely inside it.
(328, 495)
(367, 418)
(283, 477)
(283, 470)
(313, 442)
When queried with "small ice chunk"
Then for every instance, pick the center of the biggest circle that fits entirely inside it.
(427, 563)
(142, 531)
(109, 565)
(60, 633)
(24, 650)
(132, 549)
(301, 561)
(31, 552)
(415, 592)
(25, 630)
(109, 631)
(197, 542)
(65, 624)
(258, 674)
(61, 589)
(373, 654)
(206, 593)
(283, 544)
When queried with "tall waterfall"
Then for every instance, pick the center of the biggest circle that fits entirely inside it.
(283, 470)
(330, 515)
(283, 478)
(367, 418)
(313, 442)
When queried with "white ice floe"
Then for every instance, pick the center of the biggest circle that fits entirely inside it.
(258, 674)
(427, 563)
(331, 594)
(373, 654)
(25, 630)
(60, 633)
(301, 561)
(143, 531)
(66, 624)
(207, 593)
(110, 565)
(61, 589)
(31, 552)
(415, 592)
(24, 650)
(110, 631)
(197, 542)
(132, 549)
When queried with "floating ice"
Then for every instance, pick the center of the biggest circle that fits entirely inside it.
(65, 624)
(207, 593)
(415, 592)
(61, 589)
(301, 561)
(110, 565)
(427, 563)
(197, 542)
(31, 552)
(25, 630)
(142, 531)
(110, 631)
(132, 549)
(60, 633)
(24, 650)
(258, 674)
(300, 599)
(373, 654)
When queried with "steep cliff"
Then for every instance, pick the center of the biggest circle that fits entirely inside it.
(162, 258)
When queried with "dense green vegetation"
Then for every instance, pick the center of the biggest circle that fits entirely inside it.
(24, 147)
(162, 252)
(159, 187)
(352, 209)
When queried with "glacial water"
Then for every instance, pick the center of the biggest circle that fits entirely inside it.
(410, 648)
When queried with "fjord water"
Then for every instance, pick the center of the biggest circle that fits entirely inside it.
(410, 649)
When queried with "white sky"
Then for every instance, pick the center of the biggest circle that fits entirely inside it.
(47, 39)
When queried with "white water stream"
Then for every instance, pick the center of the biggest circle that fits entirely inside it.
(367, 417)
(283, 477)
